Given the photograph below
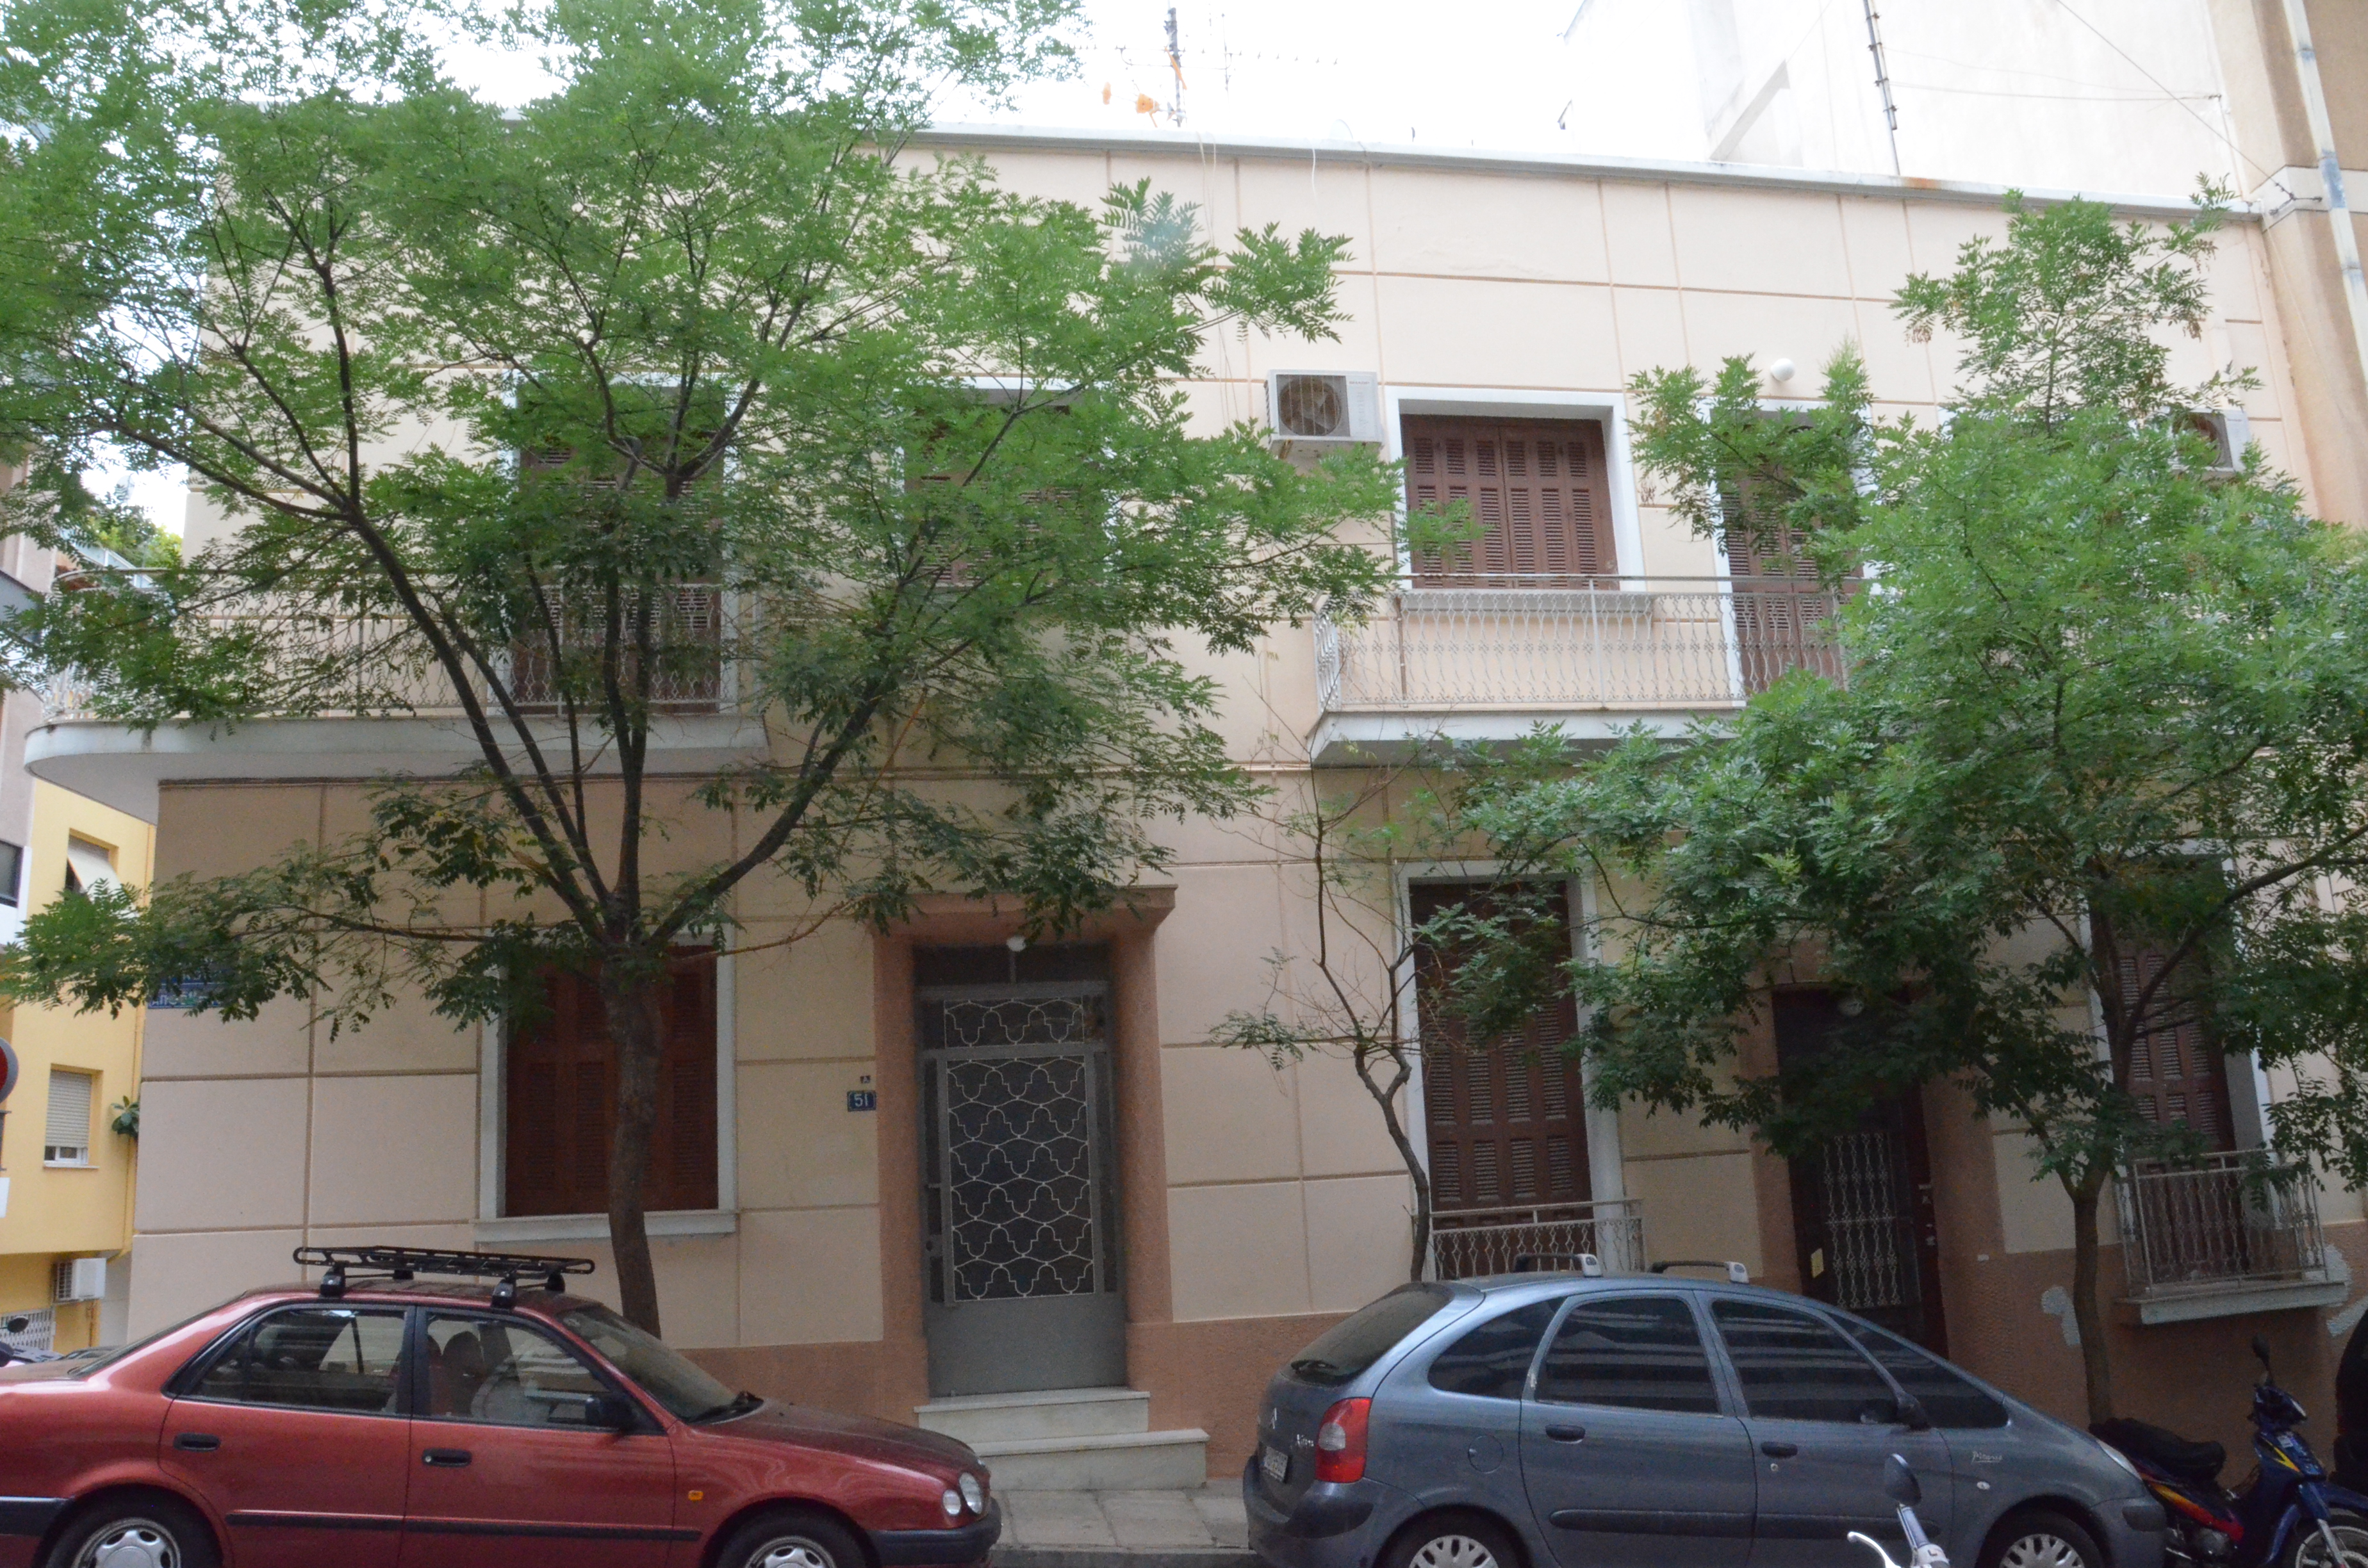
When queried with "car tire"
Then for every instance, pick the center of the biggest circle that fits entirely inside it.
(139, 1532)
(791, 1538)
(1454, 1540)
(2308, 1548)
(2041, 1538)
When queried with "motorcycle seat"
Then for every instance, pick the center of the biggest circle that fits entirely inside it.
(2198, 1464)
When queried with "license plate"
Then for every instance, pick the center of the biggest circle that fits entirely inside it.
(1276, 1463)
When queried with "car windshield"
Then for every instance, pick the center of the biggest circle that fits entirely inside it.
(1355, 1343)
(687, 1393)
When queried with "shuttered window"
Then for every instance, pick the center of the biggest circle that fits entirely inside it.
(2176, 1074)
(1507, 1124)
(560, 1075)
(1538, 487)
(65, 1138)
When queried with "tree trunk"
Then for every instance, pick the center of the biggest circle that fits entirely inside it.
(1385, 1096)
(2088, 1314)
(630, 1001)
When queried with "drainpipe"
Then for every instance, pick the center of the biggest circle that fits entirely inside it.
(2330, 173)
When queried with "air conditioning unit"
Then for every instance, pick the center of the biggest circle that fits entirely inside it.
(80, 1279)
(2228, 430)
(1323, 411)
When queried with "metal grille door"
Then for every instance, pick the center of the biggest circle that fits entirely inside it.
(1023, 1278)
(1866, 1226)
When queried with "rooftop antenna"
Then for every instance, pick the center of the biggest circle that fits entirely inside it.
(1175, 64)
(1883, 80)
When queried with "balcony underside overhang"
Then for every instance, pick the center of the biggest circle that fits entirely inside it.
(1365, 740)
(123, 767)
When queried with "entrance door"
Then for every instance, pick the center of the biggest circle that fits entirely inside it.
(1862, 1217)
(1020, 1206)
(1508, 1128)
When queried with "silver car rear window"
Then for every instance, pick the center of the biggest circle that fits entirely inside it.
(1351, 1346)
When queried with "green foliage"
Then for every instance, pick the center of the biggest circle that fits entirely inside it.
(555, 416)
(2096, 697)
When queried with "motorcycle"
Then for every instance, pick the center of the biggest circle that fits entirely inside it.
(1899, 1484)
(2287, 1513)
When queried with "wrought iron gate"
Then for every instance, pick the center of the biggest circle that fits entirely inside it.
(1019, 1204)
(1869, 1233)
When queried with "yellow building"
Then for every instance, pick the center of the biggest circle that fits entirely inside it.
(65, 1172)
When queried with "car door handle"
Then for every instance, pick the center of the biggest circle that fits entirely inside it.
(1779, 1450)
(1567, 1434)
(445, 1458)
(197, 1442)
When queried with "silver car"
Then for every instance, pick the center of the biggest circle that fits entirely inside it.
(1553, 1420)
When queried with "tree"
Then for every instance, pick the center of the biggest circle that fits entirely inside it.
(555, 415)
(2100, 697)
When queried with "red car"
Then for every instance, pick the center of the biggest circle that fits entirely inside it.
(384, 1421)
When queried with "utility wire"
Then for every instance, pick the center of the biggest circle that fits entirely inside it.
(2166, 91)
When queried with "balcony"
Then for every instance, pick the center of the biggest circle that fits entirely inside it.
(1487, 659)
(2229, 1232)
(1469, 1243)
(365, 698)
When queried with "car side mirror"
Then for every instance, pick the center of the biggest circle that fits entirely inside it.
(1913, 1415)
(1899, 1482)
(607, 1412)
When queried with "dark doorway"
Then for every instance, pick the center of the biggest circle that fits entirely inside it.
(1862, 1223)
(1020, 1196)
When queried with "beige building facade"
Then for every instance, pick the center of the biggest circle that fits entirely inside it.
(1228, 1209)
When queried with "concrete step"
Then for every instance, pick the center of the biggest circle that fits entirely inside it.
(1108, 1461)
(1046, 1412)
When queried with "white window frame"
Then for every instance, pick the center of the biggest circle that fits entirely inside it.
(493, 1076)
(90, 1132)
(1609, 408)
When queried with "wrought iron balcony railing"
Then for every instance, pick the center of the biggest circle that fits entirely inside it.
(1468, 1243)
(1560, 643)
(329, 663)
(2234, 1218)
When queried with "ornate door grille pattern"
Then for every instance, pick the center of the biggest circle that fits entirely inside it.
(1017, 1192)
(1505, 1124)
(1866, 1231)
(1537, 489)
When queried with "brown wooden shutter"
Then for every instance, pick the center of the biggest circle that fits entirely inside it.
(2176, 1075)
(1506, 1125)
(561, 1109)
(1538, 487)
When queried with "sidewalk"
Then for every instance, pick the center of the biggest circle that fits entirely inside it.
(1203, 1529)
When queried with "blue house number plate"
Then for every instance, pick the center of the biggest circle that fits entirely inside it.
(863, 1100)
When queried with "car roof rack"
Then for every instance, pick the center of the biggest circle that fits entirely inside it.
(401, 1264)
(1736, 1273)
(1586, 1262)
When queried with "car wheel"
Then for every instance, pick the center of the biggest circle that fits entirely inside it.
(138, 1532)
(790, 1540)
(1452, 1541)
(2310, 1549)
(2041, 1539)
